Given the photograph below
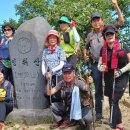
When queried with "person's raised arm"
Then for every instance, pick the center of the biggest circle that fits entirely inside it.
(120, 15)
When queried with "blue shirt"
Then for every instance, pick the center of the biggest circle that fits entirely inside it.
(4, 49)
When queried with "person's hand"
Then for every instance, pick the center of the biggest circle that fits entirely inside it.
(117, 73)
(48, 75)
(114, 2)
(86, 58)
(1, 41)
(90, 79)
(73, 23)
(101, 67)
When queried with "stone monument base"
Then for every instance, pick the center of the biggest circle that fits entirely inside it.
(30, 116)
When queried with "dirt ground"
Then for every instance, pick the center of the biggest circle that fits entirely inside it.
(124, 105)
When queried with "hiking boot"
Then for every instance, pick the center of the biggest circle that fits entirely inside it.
(56, 125)
(2, 126)
(67, 124)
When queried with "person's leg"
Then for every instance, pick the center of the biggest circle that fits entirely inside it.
(9, 107)
(116, 113)
(98, 91)
(2, 111)
(58, 113)
(87, 117)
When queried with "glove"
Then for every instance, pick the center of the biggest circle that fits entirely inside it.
(101, 67)
(73, 23)
(117, 73)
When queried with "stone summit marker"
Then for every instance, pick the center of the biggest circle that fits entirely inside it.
(26, 56)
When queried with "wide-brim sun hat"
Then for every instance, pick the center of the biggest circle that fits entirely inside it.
(64, 19)
(52, 32)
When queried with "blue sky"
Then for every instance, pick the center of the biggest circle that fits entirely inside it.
(7, 10)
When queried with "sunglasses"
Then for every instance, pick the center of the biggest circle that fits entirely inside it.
(7, 30)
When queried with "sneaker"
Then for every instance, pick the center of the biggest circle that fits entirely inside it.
(56, 125)
(67, 124)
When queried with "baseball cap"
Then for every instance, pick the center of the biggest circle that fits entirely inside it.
(96, 14)
(64, 19)
(68, 67)
(109, 29)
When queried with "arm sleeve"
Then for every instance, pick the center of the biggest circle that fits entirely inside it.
(76, 35)
(43, 64)
(43, 67)
(54, 70)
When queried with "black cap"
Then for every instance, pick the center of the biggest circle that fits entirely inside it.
(68, 67)
(109, 29)
(96, 14)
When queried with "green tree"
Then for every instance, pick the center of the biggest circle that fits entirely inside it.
(79, 10)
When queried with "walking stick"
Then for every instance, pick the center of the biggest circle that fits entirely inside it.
(92, 103)
(103, 84)
(91, 96)
(112, 104)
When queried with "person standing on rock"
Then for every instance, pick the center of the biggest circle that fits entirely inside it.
(94, 43)
(114, 62)
(6, 99)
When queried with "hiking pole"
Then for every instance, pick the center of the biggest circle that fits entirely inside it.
(112, 103)
(129, 84)
(92, 103)
(103, 84)
(49, 84)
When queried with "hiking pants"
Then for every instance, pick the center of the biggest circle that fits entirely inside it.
(116, 114)
(59, 112)
(97, 76)
(5, 109)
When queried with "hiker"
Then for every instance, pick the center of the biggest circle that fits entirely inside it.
(70, 40)
(94, 43)
(53, 59)
(114, 61)
(6, 99)
(5, 64)
(72, 107)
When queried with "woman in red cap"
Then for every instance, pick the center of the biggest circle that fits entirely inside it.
(53, 59)
(114, 63)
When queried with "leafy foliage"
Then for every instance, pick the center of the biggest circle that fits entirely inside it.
(78, 10)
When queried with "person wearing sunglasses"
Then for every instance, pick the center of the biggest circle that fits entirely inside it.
(8, 31)
(114, 62)
(70, 39)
